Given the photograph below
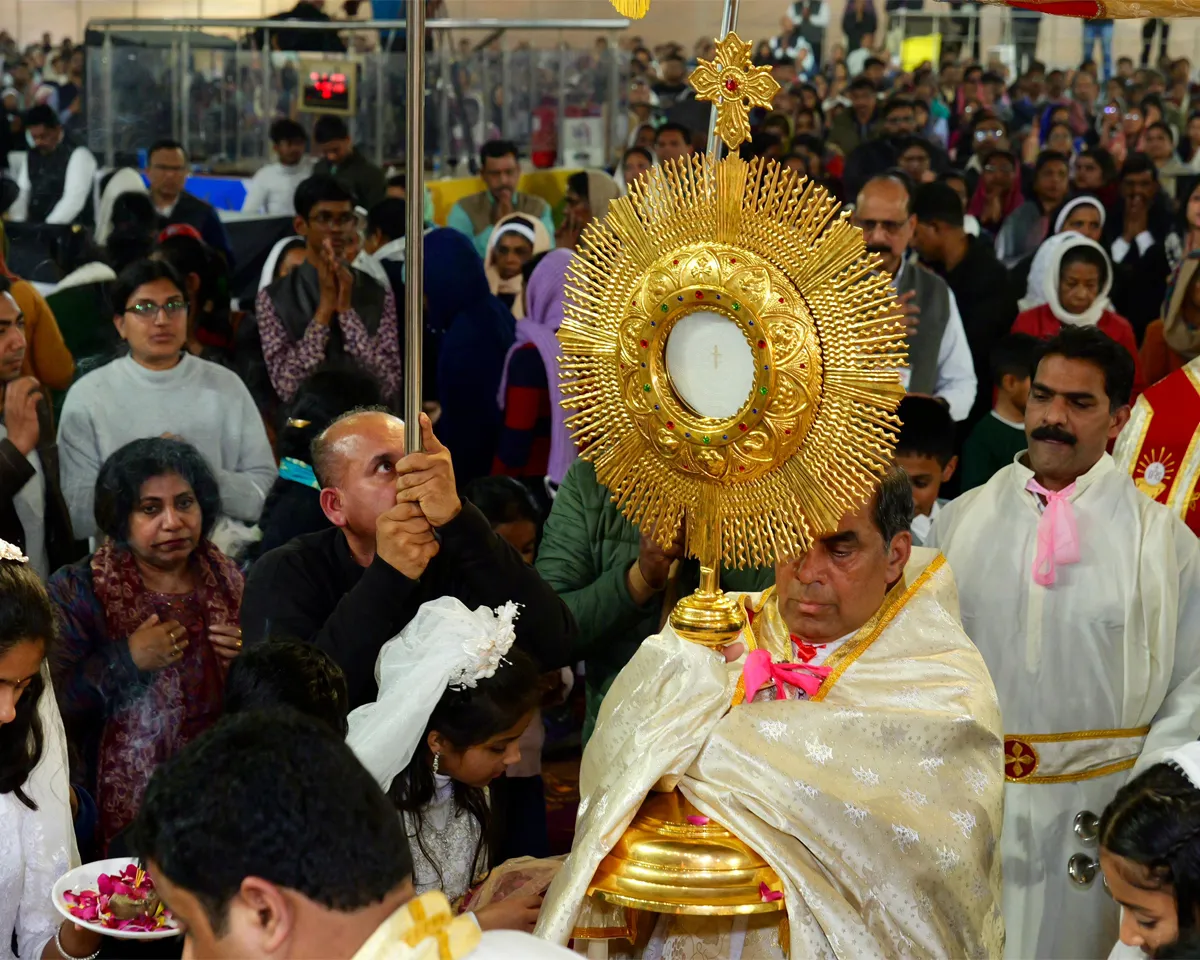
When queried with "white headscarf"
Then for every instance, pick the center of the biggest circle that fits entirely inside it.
(444, 645)
(1091, 316)
(267, 277)
(1035, 287)
(125, 180)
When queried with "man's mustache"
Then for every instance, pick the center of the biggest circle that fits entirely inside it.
(881, 248)
(1053, 434)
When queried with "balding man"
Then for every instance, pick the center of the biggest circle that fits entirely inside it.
(400, 536)
(939, 358)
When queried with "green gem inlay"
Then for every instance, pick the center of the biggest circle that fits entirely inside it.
(706, 439)
(646, 387)
(762, 390)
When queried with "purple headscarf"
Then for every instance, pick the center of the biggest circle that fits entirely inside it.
(543, 316)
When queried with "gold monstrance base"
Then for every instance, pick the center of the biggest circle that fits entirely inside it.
(666, 863)
(708, 616)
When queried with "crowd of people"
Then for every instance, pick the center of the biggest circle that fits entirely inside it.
(210, 521)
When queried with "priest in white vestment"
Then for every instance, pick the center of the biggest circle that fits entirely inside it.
(1083, 595)
(873, 789)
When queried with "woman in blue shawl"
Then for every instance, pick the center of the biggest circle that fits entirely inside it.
(471, 330)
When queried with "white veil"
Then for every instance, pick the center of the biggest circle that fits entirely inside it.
(445, 645)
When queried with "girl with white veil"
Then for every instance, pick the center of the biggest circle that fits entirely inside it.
(454, 699)
(37, 837)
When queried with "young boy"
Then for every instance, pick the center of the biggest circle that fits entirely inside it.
(997, 438)
(925, 449)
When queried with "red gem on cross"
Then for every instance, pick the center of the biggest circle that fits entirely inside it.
(670, 425)
(781, 299)
(787, 433)
(699, 295)
(731, 85)
(733, 259)
(645, 344)
(676, 262)
(741, 426)
(762, 344)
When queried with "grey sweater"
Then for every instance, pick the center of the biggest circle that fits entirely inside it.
(197, 401)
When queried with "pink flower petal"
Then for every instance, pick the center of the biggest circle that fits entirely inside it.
(698, 821)
(768, 895)
(104, 883)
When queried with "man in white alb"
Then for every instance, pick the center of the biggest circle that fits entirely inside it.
(1083, 595)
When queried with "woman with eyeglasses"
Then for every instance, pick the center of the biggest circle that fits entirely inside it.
(159, 388)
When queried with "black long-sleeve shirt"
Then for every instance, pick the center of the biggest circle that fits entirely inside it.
(312, 589)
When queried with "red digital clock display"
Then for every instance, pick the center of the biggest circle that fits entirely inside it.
(328, 86)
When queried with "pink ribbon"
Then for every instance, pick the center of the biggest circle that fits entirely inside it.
(759, 671)
(768, 895)
(1057, 534)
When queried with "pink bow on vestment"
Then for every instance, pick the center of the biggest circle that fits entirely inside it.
(759, 671)
(1057, 535)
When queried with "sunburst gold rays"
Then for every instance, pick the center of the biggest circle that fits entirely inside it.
(767, 250)
(634, 9)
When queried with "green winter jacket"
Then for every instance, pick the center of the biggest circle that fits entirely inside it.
(586, 550)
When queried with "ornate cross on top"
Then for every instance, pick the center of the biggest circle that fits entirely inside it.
(734, 85)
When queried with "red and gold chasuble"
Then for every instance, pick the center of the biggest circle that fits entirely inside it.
(1159, 447)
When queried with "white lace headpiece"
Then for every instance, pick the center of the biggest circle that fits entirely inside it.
(446, 645)
(10, 551)
(1186, 759)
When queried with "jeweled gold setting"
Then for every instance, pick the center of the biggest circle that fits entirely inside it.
(766, 249)
(733, 84)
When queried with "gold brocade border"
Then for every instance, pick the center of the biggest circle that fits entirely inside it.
(848, 653)
(1103, 771)
(1141, 440)
(1173, 499)
(1115, 734)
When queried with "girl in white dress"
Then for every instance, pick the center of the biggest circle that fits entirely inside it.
(453, 701)
(37, 839)
(1150, 854)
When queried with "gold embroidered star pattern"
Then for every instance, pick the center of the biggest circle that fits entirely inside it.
(635, 9)
(734, 85)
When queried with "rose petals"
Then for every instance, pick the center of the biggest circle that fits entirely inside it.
(91, 906)
(768, 895)
(698, 821)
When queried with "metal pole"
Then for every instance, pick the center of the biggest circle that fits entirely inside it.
(414, 191)
(728, 23)
(615, 113)
(185, 69)
(445, 88)
(562, 102)
(110, 108)
(379, 99)
(506, 91)
(268, 108)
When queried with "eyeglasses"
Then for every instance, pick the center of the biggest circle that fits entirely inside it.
(887, 226)
(148, 309)
(334, 219)
(982, 135)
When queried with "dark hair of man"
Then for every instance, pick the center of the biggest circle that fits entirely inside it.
(927, 429)
(577, 183)
(162, 145)
(862, 83)
(1139, 163)
(938, 202)
(810, 141)
(1092, 346)
(5, 284)
(329, 128)
(1014, 355)
(134, 227)
(972, 70)
(495, 149)
(1151, 100)
(1104, 160)
(678, 128)
(320, 188)
(759, 144)
(25, 615)
(1088, 255)
(138, 275)
(119, 483)
(467, 717)
(872, 62)
(896, 103)
(921, 143)
(1047, 157)
(398, 180)
(1164, 127)
(893, 507)
(503, 500)
(1154, 821)
(388, 218)
(42, 115)
(289, 673)
(286, 129)
(275, 795)
(946, 176)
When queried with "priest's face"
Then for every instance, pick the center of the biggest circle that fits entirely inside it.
(1069, 420)
(838, 585)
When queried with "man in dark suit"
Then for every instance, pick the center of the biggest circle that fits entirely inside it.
(166, 168)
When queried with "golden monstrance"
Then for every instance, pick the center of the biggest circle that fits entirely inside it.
(731, 355)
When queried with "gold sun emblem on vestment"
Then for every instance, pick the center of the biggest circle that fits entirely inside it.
(634, 9)
(1154, 473)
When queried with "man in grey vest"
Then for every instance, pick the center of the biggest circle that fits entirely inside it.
(477, 214)
(939, 359)
(56, 181)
